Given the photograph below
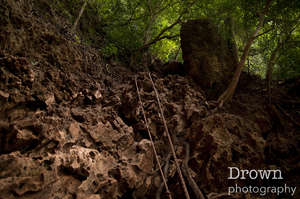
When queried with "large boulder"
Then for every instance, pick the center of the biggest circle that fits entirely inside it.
(206, 56)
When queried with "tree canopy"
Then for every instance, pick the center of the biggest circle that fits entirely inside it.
(150, 28)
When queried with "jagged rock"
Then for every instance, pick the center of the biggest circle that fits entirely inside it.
(173, 67)
(97, 94)
(105, 134)
(221, 141)
(22, 175)
(88, 196)
(78, 114)
(49, 99)
(57, 140)
(74, 130)
(4, 94)
(17, 139)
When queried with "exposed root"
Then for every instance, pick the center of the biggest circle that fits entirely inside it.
(166, 169)
(186, 173)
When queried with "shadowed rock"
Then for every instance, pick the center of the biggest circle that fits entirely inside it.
(206, 57)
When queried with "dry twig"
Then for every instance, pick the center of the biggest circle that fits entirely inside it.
(79, 15)
(166, 168)
(188, 176)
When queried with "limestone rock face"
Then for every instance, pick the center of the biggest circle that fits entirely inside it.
(206, 56)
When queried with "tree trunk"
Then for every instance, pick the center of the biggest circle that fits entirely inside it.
(248, 66)
(79, 15)
(147, 39)
(229, 23)
(273, 58)
(148, 34)
(228, 93)
(177, 53)
(270, 68)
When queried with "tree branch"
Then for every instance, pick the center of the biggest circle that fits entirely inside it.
(79, 15)
(160, 37)
(264, 32)
(229, 92)
(186, 173)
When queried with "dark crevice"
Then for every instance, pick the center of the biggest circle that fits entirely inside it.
(80, 175)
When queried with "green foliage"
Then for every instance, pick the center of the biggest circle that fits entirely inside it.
(289, 63)
(109, 50)
(166, 50)
(122, 27)
(90, 24)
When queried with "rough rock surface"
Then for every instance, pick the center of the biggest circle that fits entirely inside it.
(206, 56)
(67, 132)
